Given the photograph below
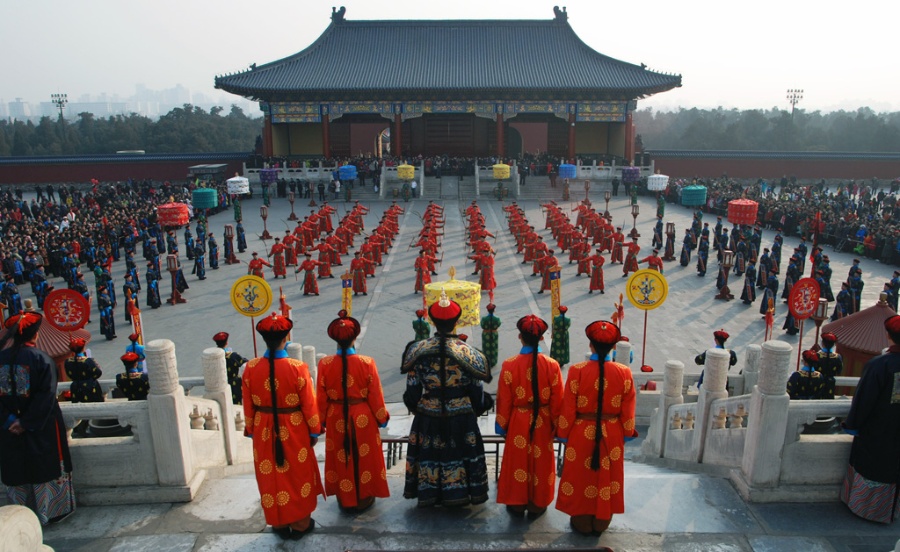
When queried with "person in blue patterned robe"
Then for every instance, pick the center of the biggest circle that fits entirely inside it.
(445, 463)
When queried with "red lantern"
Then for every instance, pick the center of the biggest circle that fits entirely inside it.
(742, 211)
(173, 214)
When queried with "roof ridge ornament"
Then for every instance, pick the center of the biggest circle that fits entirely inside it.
(560, 14)
(337, 15)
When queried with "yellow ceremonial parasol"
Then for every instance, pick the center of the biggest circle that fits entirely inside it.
(467, 294)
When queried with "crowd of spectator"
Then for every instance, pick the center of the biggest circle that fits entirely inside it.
(94, 221)
(858, 215)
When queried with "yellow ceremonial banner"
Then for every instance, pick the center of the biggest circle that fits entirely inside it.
(251, 296)
(467, 294)
(647, 289)
(555, 282)
(346, 295)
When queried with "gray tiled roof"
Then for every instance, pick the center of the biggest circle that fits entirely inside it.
(447, 60)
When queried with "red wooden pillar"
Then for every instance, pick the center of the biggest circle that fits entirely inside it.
(571, 138)
(326, 136)
(397, 136)
(629, 138)
(267, 136)
(501, 139)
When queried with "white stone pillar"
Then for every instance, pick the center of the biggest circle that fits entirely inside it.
(215, 379)
(767, 422)
(169, 422)
(477, 182)
(715, 380)
(514, 175)
(422, 179)
(655, 443)
(623, 353)
(309, 357)
(751, 367)
(381, 183)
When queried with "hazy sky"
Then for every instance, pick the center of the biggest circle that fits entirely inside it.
(744, 55)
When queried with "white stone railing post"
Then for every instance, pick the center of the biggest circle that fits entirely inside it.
(769, 402)
(309, 357)
(751, 367)
(623, 353)
(715, 380)
(169, 422)
(655, 443)
(21, 529)
(215, 378)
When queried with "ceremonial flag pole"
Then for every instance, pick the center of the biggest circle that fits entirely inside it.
(646, 289)
(346, 296)
(251, 295)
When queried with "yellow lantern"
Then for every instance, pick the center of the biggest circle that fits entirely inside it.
(501, 171)
(467, 294)
(406, 172)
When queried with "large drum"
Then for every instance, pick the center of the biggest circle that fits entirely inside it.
(406, 172)
(742, 211)
(268, 176)
(501, 172)
(238, 185)
(347, 172)
(173, 214)
(567, 170)
(205, 198)
(631, 175)
(657, 182)
(693, 196)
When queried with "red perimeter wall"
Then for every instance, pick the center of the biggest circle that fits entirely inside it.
(106, 172)
(776, 168)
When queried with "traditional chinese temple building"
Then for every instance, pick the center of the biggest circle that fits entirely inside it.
(468, 88)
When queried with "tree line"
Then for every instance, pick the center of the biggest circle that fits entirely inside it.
(862, 130)
(187, 129)
(190, 129)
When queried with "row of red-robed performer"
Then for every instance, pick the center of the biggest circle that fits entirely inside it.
(590, 228)
(429, 242)
(297, 247)
(445, 460)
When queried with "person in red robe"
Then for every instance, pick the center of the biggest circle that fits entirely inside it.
(529, 401)
(359, 268)
(597, 261)
(349, 390)
(631, 262)
(653, 261)
(598, 393)
(255, 266)
(540, 251)
(309, 266)
(618, 242)
(280, 402)
(549, 263)
(290, 252)
(279, 267)
(423, 274)
(486, 262)
(325, 254)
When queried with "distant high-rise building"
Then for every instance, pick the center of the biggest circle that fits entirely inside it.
(19, 109)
